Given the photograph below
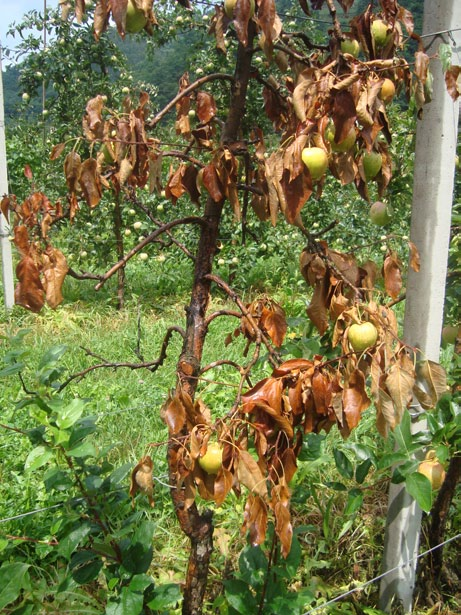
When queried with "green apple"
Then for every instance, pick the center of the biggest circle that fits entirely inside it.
(380, 33)
(137, 225)
(362, 335)
(351, 46)
(135, 18)
(143, 256)
(380, 213)
(211, 461)
(229, 6)
(372, 163)
(346, 144)
(316, 160)
(449, 334)
(25, 97)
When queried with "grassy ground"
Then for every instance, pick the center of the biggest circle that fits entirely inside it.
(339, 549)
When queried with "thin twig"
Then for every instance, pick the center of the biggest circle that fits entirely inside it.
(193, 86)
(105, 364)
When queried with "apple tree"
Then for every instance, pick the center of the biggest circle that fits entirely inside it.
(327, 106)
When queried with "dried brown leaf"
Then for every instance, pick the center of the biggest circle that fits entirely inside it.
(55, 269)
(249, 474)
(392, 275)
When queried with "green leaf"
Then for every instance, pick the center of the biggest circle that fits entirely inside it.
(13, 578)
(445, 54)
(239, 597)
(82, 428)
(140, 582)
(251, 562)
(11, 370)
(69, 415)
(361, 470)
(86, 449)
(52, 355)
(343, 464)
(70, 542)
(354, 502)
(420, 488)
(391, 459)
(312, 447)
(166, 596)
(24, 609)
(56, 479)
(129, 603)
(37, 458)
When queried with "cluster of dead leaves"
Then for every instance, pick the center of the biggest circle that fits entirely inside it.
(115, 9)
(42, 268)
(339, 281)
(261, 443)
(263, 315)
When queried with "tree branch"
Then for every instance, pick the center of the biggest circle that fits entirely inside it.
(193, 86)
(145, 242)
(152, 366)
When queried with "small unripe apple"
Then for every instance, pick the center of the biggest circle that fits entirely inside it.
(351, 46)
(161, 258)
(372, 163)
(229, 6)
(137, 225)
(316, 160)
(127, 232)
(160, 207)
(387, 91)
(380, 213)
(143, 256)
(221, 262)
(380, 33)
(45, 112)
(135, 18)
(362, 335)
(211, 461)
(132, 212)
(83, 254)
(433, 470)
(25, 97)
(125, 90)
(235, 260)
(191, 113)
(449, 334)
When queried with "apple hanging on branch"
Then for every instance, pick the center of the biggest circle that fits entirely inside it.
(362, 336)
(433, 470)
(211, 461)
(316, 160)
(135, 18)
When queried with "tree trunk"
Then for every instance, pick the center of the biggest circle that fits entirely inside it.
(439, 514)
(118, 222)
(198, 526)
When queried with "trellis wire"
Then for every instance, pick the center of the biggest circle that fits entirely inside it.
(379, 577)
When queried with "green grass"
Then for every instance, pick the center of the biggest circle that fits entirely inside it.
(127, 403)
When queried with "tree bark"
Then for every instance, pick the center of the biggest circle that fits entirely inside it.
(439, 514)
(196, 525)
(118, 221)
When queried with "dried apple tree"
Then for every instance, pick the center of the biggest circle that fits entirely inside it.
(327, 104)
